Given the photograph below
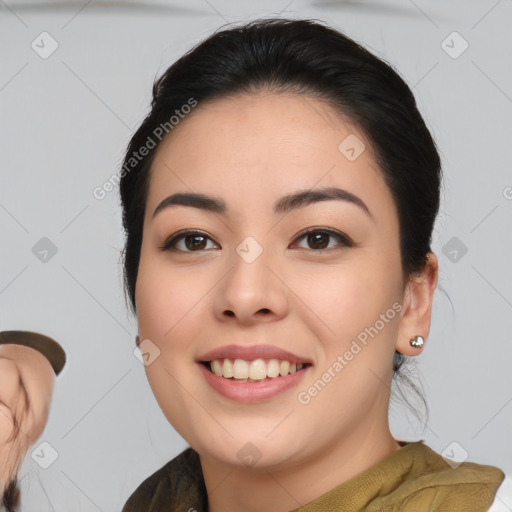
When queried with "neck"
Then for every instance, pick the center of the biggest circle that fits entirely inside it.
(278, 490)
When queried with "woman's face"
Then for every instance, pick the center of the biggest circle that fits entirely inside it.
(26, 386)
(250, 285)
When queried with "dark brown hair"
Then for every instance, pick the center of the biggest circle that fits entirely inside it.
(11, 492)
(11, 497)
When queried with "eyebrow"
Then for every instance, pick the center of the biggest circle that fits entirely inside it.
(284, 205)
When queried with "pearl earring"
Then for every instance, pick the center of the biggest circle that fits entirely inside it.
(417, 342)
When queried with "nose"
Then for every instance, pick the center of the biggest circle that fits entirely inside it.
(251, 292)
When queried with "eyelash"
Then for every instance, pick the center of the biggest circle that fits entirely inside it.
(344, 241)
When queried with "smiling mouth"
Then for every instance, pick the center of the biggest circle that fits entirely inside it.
(257, 370)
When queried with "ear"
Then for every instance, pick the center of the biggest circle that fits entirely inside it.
(417, 307)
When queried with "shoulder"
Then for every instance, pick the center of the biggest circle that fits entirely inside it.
(178, 485)
(503, 499)
(445, 484)
(416, 477)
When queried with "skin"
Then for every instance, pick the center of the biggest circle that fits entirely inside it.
(250, 150)
(36, 372)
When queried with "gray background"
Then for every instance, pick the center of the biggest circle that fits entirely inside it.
(65, 122)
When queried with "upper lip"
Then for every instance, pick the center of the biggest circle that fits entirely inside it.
(249, 353)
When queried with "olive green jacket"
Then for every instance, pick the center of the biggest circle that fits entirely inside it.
(412, 479)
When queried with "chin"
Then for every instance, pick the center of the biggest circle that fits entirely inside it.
(253, 451)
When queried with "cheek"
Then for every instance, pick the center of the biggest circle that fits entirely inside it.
(6, 424)
(39, 418)
(9, 382)
(39, 381)
(171, 313)
(165, 297)
(355, 318)
(343, 300)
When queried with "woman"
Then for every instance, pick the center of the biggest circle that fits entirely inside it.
(28, 362)
(278, 202)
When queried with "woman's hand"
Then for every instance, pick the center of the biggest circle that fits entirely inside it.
(26, 386)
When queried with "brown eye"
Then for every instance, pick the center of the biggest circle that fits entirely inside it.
(318, 239)
(193, 241)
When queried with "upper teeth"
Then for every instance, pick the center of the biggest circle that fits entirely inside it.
(258, 369)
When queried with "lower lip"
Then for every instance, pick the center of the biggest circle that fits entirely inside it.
(250, 392)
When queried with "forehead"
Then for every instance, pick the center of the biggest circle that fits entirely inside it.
(252, 148)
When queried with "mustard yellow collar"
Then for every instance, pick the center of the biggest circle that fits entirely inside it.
(414, 478)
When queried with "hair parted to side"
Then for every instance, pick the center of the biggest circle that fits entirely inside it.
(302, 56)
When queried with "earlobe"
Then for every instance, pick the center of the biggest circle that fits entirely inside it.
(416, 318)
